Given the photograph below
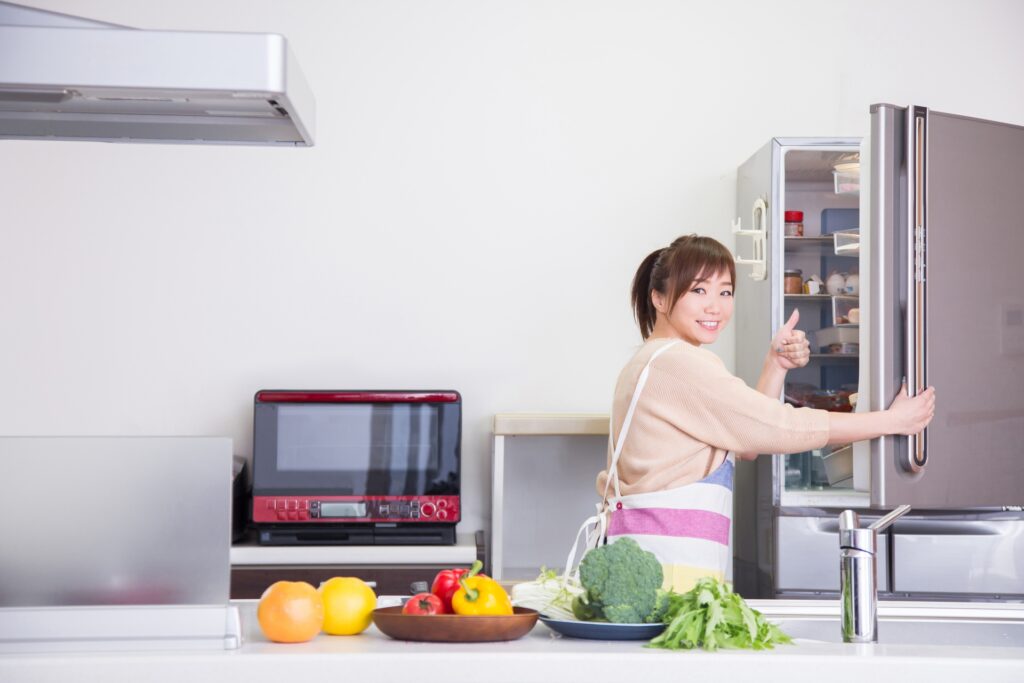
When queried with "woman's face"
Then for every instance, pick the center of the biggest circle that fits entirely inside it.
(702, 312)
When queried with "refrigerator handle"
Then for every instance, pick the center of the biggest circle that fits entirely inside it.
(917, 285)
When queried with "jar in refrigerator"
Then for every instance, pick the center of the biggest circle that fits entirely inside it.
(793, 281)
(794, 226)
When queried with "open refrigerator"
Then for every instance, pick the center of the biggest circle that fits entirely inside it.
(898, 278)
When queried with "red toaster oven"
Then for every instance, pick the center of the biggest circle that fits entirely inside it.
(356, 467)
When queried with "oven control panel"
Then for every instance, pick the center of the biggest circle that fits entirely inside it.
(283, 508)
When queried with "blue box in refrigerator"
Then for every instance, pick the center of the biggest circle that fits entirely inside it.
(833, 220)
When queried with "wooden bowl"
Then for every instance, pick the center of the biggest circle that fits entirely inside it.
(454, 628)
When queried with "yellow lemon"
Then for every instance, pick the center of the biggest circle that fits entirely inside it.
(348, 603)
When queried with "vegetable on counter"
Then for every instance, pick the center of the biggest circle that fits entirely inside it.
(712, 616)
(445, 584)
(480, 595)
(550, 594)
(423, 603)
(622, 584)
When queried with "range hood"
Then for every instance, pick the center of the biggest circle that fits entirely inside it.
(70, 78)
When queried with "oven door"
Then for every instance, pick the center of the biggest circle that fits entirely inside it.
(357, 444)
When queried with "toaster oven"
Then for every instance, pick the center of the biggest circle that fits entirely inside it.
(356, 467)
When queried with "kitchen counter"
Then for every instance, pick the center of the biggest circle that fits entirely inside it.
(539, 656)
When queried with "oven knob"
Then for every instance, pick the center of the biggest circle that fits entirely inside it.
(442, 514)
(442, 503)
(427, 509)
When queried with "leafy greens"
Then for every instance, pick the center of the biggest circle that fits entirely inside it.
(712, 616)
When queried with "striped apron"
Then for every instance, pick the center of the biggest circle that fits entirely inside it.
(687, 527)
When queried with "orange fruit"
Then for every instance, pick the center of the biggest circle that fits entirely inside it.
(348, 604)
(290, 612)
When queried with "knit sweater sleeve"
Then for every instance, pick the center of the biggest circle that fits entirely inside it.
(694, 391)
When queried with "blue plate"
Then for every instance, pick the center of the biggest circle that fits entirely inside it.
(602, 630)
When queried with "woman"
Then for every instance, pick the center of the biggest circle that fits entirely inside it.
(678, 415)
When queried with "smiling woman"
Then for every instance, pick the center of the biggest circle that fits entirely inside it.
(669, 484)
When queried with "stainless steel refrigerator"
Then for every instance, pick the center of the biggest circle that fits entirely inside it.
(908, 249)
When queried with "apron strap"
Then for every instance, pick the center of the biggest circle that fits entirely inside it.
(613, 468)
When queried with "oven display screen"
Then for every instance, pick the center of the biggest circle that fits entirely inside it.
(357, 438)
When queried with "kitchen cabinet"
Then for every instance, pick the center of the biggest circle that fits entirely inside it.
(391, 568)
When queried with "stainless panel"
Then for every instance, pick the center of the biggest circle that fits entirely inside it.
(809, 554)
(974, 311)
(753, 496)
(947, 633)
(949, 556)
(131, 85)
(115, 520)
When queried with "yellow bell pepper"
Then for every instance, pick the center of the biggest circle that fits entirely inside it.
(480, 595)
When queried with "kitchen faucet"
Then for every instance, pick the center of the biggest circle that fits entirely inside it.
(858, 574)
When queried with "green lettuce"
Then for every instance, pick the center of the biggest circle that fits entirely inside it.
(712, 616)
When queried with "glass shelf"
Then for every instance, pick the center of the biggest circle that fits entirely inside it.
(842, 243)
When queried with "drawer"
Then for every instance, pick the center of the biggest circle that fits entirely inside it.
(808, 554)
(942, 556)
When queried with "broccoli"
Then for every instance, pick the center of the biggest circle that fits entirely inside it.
(622, 582)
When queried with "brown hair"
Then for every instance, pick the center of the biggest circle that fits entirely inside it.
(672, 270)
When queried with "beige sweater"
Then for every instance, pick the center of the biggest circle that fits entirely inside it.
(691, 412)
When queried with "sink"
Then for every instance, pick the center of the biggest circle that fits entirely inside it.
(948, 632)
(942, 624)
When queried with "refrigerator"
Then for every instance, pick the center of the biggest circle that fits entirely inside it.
(907, 247)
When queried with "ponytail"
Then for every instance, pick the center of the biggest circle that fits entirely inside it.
(643, 307)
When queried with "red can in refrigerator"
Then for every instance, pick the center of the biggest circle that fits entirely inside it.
(794, 223)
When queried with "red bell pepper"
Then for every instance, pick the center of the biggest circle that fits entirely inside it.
(423, 603)
(446, 583)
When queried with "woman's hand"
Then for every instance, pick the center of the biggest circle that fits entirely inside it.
(790, 348)
(911, 415)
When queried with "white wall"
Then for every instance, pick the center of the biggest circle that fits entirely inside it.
(486, 178)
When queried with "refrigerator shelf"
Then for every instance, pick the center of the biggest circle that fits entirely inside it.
(834, 356)
(821, 297)
(799, 243)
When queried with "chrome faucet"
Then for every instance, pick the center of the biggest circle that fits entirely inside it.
(858, 574)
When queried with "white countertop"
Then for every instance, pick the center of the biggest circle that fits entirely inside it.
(540, 656)
(462, 553)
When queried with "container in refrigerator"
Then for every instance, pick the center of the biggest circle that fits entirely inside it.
(838, 340)
(846, 178)
(836, 219)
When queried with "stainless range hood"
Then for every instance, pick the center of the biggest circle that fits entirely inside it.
(70, 78)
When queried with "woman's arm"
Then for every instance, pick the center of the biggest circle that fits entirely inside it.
(789, 349)
(905, 416)
(770, 383)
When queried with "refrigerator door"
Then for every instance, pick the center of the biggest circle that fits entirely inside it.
(948, 306)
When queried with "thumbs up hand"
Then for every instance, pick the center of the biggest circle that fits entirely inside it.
(790, 348)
